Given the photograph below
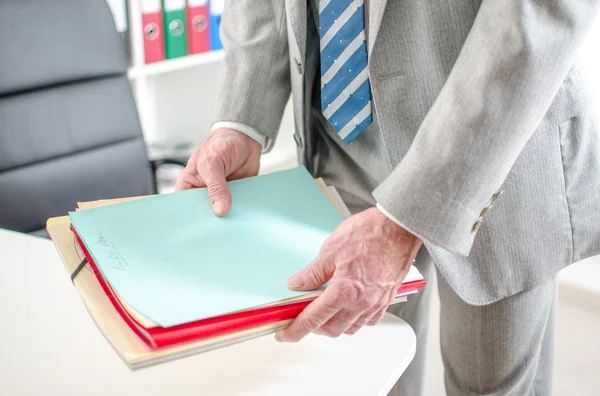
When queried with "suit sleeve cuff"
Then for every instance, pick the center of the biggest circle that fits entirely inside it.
(264, 141)
(401, 224)
(436, 220)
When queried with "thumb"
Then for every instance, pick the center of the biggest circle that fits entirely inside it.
(218, 191)
(313, 276)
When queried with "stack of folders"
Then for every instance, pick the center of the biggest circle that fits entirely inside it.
(163, 277)
(175, 28)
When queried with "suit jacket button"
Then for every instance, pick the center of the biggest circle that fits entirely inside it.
(298, 140)
(298, 65)
(485, 210)
(477, 225)
(497, 195)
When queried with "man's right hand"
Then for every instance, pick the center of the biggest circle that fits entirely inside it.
(226, 154)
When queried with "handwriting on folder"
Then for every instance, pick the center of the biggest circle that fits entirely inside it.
(119, 262)
(172, 260)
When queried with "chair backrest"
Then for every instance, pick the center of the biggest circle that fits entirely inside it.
(69, 128)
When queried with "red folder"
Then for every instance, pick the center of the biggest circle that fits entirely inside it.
(198, 30)
(158, 337)
(153, 32)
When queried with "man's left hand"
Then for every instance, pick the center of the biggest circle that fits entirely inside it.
(365, 261)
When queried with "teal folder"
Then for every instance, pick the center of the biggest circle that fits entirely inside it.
(172, 260)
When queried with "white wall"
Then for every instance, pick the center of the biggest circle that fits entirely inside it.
(185, 103)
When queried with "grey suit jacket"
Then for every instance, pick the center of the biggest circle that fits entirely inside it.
(474, 98)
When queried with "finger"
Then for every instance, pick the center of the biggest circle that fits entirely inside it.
(339, 323)
(313, 276)
(361, 322)
(189, 179)
(246, 170)
(213, 174)
(376, 318)
(310, 319)
(182, 185)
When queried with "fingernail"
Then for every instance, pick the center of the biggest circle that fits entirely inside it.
(219, 208)
(278, 337)
(295, 282)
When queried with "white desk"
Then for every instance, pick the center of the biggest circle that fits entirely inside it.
(50, 345)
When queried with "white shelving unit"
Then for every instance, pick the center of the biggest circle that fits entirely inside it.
(174, 65)
(175, 97)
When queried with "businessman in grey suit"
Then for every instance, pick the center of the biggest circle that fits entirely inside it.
(458, 132)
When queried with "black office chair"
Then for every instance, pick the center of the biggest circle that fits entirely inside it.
(69, 128)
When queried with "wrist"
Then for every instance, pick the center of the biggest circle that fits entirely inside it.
(396, 231)
(264, 141)
(251, 143)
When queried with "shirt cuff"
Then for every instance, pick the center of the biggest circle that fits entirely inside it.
(395, 220)
(252, 133)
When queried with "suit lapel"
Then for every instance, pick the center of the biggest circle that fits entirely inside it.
(376, 9)
(296, 12)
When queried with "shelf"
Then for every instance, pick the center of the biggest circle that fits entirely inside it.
(158, 152)
(172, 65)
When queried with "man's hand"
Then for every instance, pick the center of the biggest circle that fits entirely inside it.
(365, 260)
(226, 154)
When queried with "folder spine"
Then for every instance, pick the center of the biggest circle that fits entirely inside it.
(175, 28)
(198, 26)
(152, 31)
(215, 10)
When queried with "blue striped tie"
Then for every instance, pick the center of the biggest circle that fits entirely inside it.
(345, 88)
